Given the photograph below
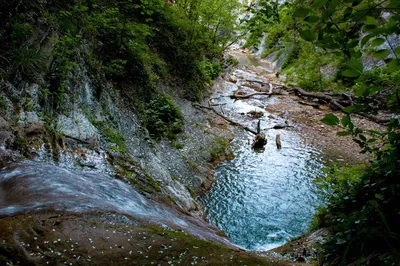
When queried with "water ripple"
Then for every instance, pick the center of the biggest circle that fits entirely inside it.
(262, 200)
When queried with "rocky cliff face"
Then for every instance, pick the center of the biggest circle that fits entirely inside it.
(101, 132)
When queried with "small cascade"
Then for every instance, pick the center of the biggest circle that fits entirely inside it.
(32, 186)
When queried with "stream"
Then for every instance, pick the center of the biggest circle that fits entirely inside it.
(262, 199)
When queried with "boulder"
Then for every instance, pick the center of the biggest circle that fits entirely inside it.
(77, 126)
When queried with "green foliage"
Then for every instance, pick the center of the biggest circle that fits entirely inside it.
(292, 55)
(177, 145)
(333, 29)
(133, 43)
(331, 120)
(112, 135)
(263, 18)
(210, 69)
(24, 58)
(21, 143)
(363, 208)
(163, 118)
(219, 148)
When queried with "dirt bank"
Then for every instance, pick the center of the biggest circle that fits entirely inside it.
(307, 120)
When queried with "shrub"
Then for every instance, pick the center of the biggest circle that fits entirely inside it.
(112, 135)
(163, 118)
(210, 69)
(219, 149)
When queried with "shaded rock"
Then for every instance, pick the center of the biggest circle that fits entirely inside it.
(77, 126)
(6, 135)
(232, 79)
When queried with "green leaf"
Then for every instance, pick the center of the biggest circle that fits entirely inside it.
(371, 28)
(394, 4)
(331, 120)
(343, 133)
(327, 42)
(347, 12)
(351, 73)
(355, 54)
(366, 39)
(350, 109)
(379, 196)
(302, 12)
(352, 44)
(392, 65)
(370, 21)
(359, 142)
(307, 35)
(346, 120)
(383, 53)
(361, 90)
(319, 3)
(378, 41)
(356, 65)
(397, 50)
(312, 19)
(327, 13)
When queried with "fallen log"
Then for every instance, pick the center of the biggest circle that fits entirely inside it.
(333, 102)
(315, 105)
(226, 118)
(239, 94)
(279, 126)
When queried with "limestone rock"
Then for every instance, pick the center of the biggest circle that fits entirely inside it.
(77, 126)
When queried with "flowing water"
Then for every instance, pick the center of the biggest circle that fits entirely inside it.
(263, 199)
(33, 186)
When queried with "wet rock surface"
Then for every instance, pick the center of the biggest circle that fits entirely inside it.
(93, 130)
(31, 186)
(108, 239)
